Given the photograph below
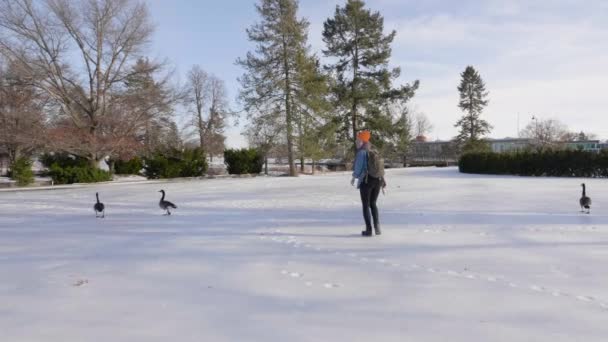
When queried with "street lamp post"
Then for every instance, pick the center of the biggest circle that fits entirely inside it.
(537, 136)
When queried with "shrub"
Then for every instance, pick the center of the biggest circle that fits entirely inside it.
(21, 171)
(553, 163)
(243, 161)
(63, 160)
(159, 166)
(129, 167)
(76, 174)
(193, 163)
(187, 163)
(67, 169)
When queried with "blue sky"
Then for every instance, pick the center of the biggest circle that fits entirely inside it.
(545, 58)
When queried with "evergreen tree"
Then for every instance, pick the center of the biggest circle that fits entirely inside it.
(22, 117)
(172, 139)
(270, 81)
(151, 100)
(399, 144)
(355, 38)
(473, 96)
(312, 110)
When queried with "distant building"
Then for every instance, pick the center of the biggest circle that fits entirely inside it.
(519, 144)
(510, 144)
(585, 145)
(424, 152)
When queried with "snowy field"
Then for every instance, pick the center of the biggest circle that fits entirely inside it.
(461, 258)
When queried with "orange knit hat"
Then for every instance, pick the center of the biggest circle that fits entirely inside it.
(364, 136)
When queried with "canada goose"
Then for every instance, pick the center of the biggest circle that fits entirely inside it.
(166, 205)
(99, 207)
(585, 201)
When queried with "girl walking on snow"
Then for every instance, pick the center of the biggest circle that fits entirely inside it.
(369, 173)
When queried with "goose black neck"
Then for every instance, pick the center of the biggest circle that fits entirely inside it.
(163, 197)
(97, 196)
(584, 192)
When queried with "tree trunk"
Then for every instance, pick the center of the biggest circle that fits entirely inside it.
(201, 136)
(288, 118)
(13, 155)
(94, 158)
(111, 165)
(301, 144)
(292, 165)
(266, 165)
(354, 94)
(313, 167)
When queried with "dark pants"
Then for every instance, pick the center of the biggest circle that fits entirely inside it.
(369, 195)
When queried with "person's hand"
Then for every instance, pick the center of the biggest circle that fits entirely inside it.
(352, 181)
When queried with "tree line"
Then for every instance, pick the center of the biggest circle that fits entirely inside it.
(75, 78)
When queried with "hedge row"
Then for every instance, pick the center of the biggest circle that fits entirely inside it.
(243, 161)
(552, 163)
(67, 169)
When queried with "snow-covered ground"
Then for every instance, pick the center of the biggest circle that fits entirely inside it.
(461, 258)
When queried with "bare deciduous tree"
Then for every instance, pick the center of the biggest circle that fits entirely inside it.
(198, 98)
(264, 133)
(422, 125)
(546, 132)
(582, 136)
(207, 98)
(218, 113)
(80, 53)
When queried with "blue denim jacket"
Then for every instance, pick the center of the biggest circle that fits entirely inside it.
(360, 167)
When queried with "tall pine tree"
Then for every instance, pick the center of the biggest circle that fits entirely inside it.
(402, 133)
(151, 100)
(473, 99)
(270, 81)
(355, 39)
(313, 110)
